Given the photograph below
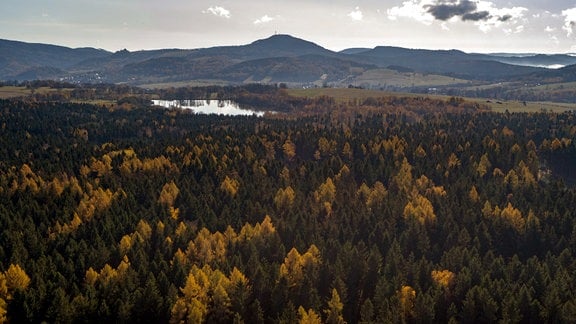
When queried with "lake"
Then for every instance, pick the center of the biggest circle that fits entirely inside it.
(217, 107)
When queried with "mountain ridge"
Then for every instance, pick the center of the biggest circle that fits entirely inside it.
(299, 60)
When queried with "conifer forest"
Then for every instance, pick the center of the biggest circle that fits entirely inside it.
(391, 209)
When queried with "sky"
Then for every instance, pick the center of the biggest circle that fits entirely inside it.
(512, 26)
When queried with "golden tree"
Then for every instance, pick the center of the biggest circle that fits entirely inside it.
(484, 165)
(407, 297)
(230, 186)
(169, 194)
(289, 149)
(334, 310)
(444, 278)
(16, 278)
(403, 178)
(473, 194)
(421, 209)
(514, 217)
(308, 316)
(296, 265)
(284, 197)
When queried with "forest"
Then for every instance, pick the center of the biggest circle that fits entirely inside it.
(386, 210)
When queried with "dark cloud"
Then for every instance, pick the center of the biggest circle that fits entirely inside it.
(476, 16)
(505, 18)
(465, 9)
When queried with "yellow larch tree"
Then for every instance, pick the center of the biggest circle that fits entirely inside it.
(403, 178)
(169, 194)
(473, 194)
(514, 217)
(407, 297)
(3, 298)
(334, 310)
(420, 152)
(297, 265)
(444, 278)
(308, 316)
(284, 197)
(291, 269)
(421, 209)
(144, 230)
(16, 278)
(289, 149)
(325, 195)
(230, 186)
(376, 195)
(207, 291)
(484, 165)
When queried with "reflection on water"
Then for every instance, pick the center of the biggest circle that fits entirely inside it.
(218, 107)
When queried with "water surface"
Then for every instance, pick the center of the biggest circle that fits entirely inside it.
(218, 107)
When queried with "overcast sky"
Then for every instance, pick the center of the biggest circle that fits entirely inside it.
(473, 26)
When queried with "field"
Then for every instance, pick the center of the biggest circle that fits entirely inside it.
(384, 78)
(346, 94)
(11, 92)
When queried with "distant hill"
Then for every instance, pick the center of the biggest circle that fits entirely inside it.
(306, 68)
(445, 62)
(554, 61)
(22, 59)
(356, 50)
(279, 58)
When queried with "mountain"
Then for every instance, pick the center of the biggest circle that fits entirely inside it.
(445, 62)
(554, 61)
(18, 58)
(301, 69)
(355, 50)
(279, 58)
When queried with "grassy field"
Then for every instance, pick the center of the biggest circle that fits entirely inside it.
(12, 92)
(198, 83)
(517, 106)
(385, 77)
(345, 95)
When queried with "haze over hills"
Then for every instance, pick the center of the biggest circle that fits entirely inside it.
(279, 58)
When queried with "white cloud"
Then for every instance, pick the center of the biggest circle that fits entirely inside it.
(419, 10)
(549, 29)
(263, 20)
(569, 20)
(218, 11)
(413, 9)
(356, 15)
(501, 16)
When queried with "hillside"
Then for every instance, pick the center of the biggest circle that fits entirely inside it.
(278, 58)
(17, 58)
(452, 63)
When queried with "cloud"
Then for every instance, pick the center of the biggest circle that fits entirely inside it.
(549, 29)
(569, 20)
(412, 9)
(465, 9)
(356, 15)
(218, 12)
(483, 13)
(476, 16)
(263, 20)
